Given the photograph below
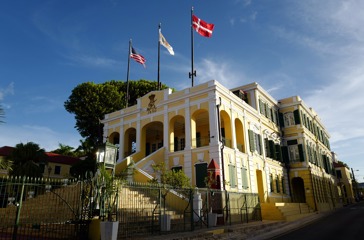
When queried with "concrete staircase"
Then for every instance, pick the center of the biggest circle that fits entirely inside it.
(285, 211)
(136, 205)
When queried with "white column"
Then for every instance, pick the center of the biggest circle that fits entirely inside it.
(214, 125)
(166, 139)
(138, 134)
(121, 143)
(187, 153)
(233, 134)
(188, 137)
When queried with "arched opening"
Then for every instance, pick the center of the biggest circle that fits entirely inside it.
(298, 190)
(177, 134)
(129, 142)
(239, 133)
(200, 128)
(114, 138)
(226, 129)
(260, 186)
(152, 137)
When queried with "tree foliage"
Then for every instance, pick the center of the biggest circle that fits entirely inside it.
(65, 150)
(6, 164)
(26, 159)
(2, 114)
(171, 178)
(80, 168)
(90, 102)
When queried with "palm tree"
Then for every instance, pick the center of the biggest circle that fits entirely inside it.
(65, 150)
(86, 148)
(2, 114)
(27, 159)
(5, 164)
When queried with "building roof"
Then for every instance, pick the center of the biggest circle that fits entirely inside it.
(339, 164)
(51, 157)
(58, 158)
(6, 151)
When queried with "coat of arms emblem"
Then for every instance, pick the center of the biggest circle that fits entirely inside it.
(151, 105)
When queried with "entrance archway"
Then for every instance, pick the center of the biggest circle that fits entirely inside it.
(298, 190)
(260, 186)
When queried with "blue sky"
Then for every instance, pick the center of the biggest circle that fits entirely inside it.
(314, 49)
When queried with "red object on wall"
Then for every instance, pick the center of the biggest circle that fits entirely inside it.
(214, 175)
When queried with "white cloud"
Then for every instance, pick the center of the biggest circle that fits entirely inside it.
(338, 39)
(46, 138)
(92, 61)
(333, 31)
(8, 90)
(220, 70)
(340, 105)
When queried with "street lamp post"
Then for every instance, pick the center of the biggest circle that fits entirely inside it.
(107, 196)
(355, 185)
(106, 158)
(106, 155)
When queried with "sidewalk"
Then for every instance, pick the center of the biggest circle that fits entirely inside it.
(253, 231)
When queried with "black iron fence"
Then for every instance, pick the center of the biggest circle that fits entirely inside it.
(40, 208)
(63, 209)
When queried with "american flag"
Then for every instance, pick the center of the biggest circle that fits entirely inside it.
(137, 57)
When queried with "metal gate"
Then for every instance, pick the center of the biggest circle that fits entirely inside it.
(41, 208)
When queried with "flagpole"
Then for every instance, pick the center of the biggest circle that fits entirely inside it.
(127, 78)
(193, 72)
(159, 54)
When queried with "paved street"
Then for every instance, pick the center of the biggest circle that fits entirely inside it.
(346, 223)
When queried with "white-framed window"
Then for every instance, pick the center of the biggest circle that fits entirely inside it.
(293, 153)
(288, 119)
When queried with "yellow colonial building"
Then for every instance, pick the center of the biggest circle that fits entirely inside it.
(345, 181)
(306, 150)
(277, 149)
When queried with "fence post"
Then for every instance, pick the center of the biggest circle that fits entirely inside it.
(18, 208)
(192, 211)
(246, 209)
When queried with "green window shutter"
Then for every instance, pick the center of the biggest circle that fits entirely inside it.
(283, 186)
(300, 152)
(278, 152)
(285, 154)
(259, 148)
(201, 174)
(281, 121)
(266, 145)
(261, 107)
(275, 116)
(297, 118)
(278, 184)
(251, 140)
(244, 178)
(271, 150)
(232, 176)
(309, 154)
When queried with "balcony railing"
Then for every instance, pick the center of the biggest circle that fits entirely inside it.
(201, 141)
(227, 142)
